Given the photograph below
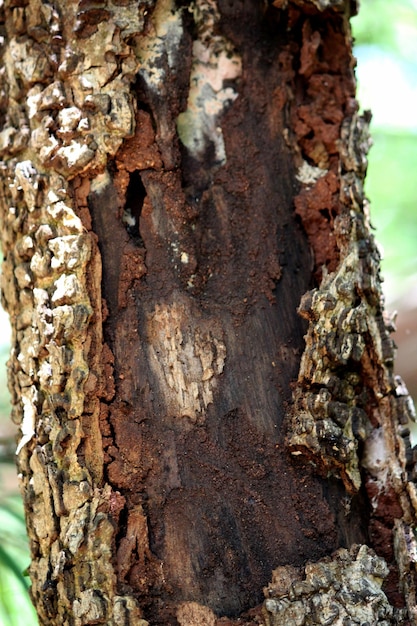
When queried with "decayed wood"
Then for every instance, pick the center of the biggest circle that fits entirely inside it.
(181, 444)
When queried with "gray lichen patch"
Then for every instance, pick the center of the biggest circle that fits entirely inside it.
(215, 65)
(161, 41)
(331, 422)
(334, 591)
(56, 276)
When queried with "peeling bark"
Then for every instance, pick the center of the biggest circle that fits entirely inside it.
(177, 180)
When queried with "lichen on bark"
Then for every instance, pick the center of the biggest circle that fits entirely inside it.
(334, 591)
(215, 65)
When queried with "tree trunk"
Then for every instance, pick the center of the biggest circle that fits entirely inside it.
(177, 180)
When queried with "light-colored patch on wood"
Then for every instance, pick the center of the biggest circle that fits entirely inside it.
(186, 360)
(194, 614)
(309, 174)
(161, 40)
(215, 64)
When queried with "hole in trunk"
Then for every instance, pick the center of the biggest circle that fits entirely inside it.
(135, 197)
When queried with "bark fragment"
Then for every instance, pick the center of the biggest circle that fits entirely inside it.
(348, 417)
(335, 589)
(51, 287)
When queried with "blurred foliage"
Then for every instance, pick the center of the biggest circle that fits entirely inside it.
(4, 393)
(386, 32)
(392, 187)
(15, 606)
(392, 26)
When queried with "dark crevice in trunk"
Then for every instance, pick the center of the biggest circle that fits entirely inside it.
(135, 197)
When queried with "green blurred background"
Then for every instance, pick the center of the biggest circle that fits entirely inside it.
(386, 48)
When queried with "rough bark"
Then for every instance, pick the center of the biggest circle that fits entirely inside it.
(177, 180)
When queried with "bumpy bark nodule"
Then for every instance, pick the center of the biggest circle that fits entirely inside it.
(211, 431)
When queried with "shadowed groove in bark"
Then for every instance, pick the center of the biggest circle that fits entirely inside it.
(135, 197)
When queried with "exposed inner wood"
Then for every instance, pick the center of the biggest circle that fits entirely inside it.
(202, 291)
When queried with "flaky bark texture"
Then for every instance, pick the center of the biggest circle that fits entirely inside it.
(177, 180)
